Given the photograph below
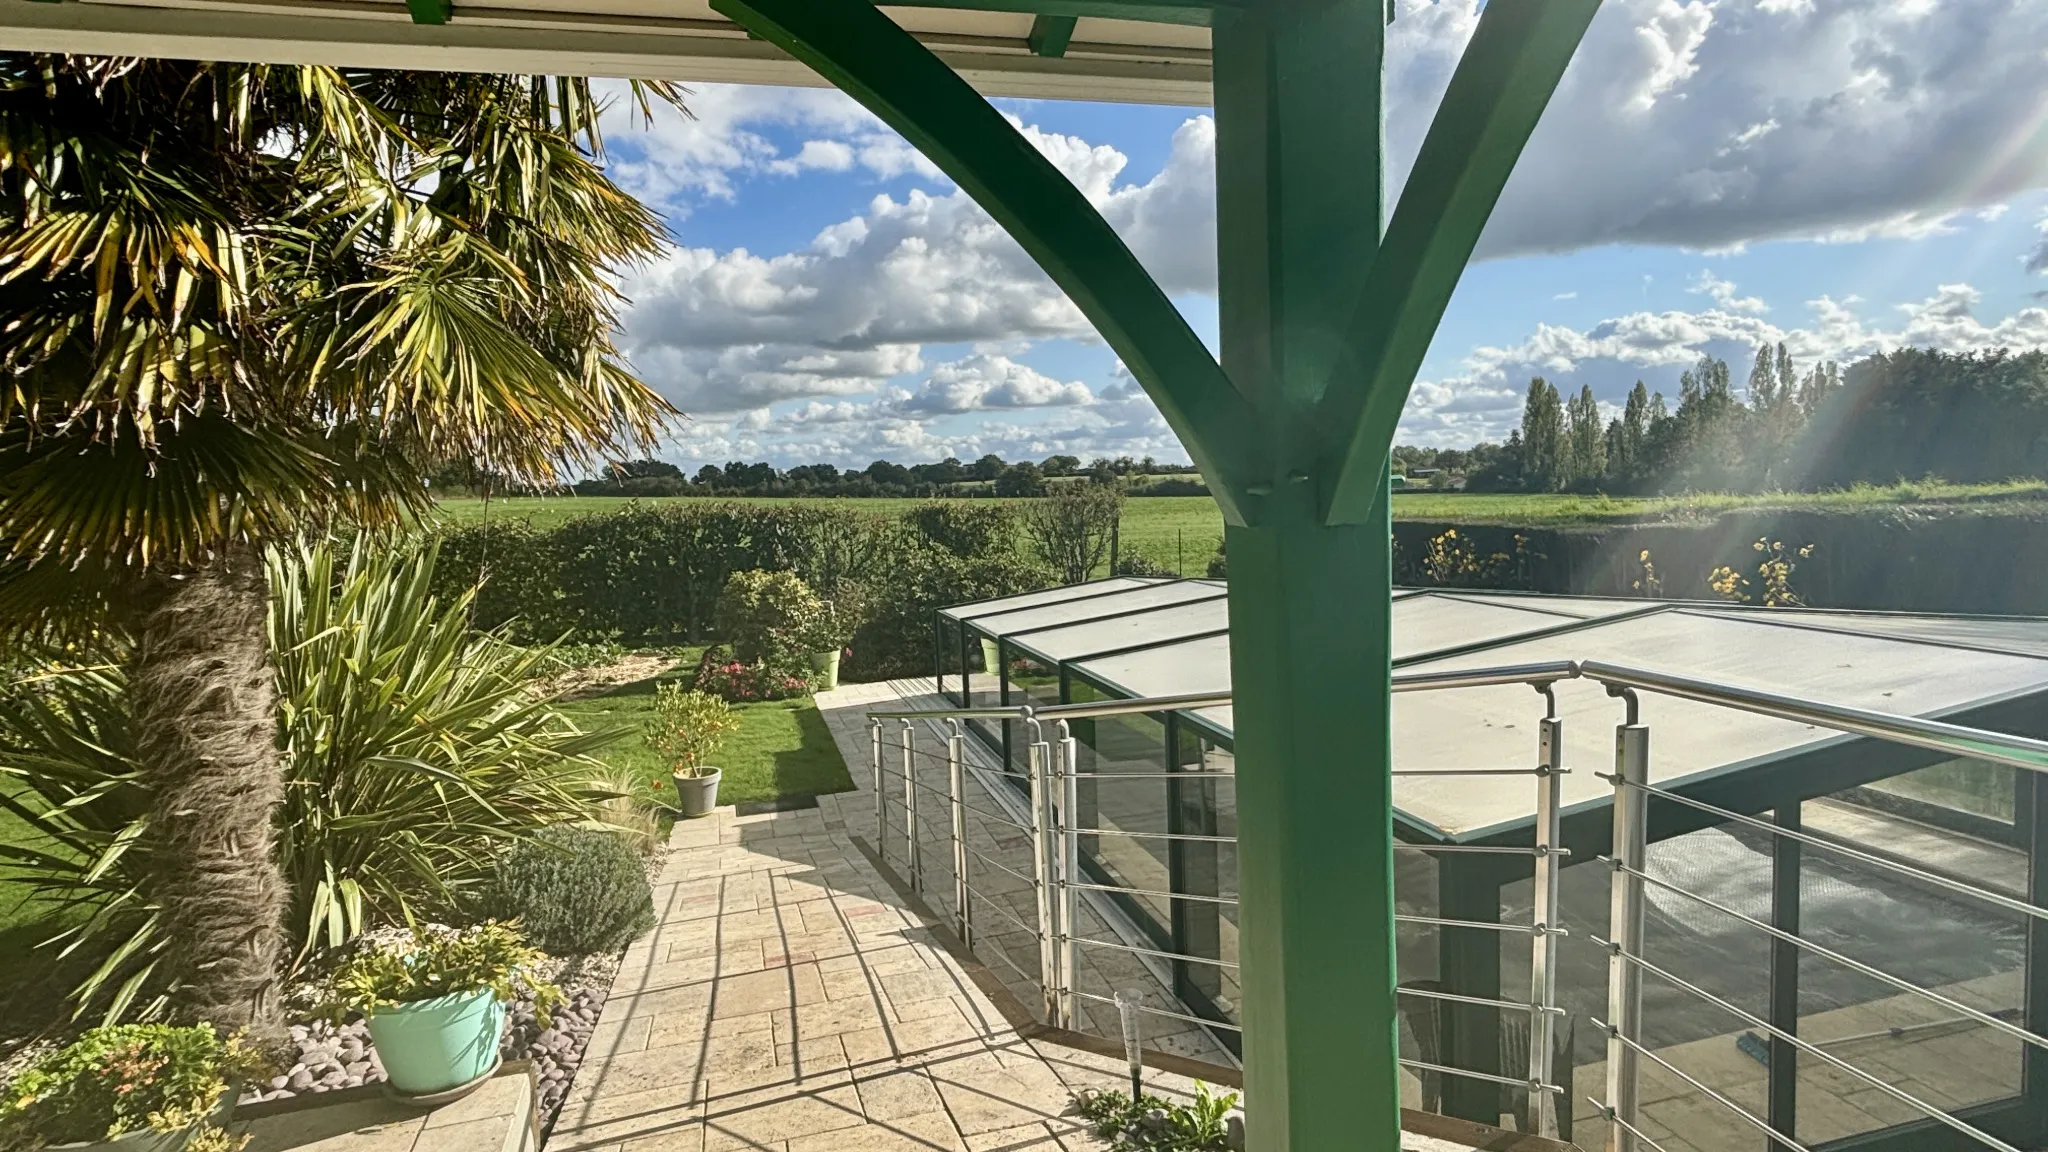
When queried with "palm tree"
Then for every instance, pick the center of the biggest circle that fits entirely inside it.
(239, 303)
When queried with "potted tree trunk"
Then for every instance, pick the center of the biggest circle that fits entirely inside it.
(687, 727)
(435, 1004)
(129, 1088)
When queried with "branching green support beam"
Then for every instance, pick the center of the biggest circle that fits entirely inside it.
(865, 54)
(1050, 35)
(1513, 64)
(429, 11)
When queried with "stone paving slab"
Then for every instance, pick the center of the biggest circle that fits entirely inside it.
(497, 1117)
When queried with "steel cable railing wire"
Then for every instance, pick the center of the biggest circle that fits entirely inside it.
(1754, 1021)
(1809, 947)
(1955, 740)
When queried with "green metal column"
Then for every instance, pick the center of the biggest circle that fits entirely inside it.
(1298, 222)
(1324, 325)
(1309, 656)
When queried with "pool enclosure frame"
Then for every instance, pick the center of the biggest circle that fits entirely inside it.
(1771, 787)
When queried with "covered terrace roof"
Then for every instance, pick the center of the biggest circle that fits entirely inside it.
(1118, 50)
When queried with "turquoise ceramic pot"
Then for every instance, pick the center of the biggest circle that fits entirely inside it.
(434, 1045)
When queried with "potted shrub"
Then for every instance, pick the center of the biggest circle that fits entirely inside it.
(131, 1087)
(686, 728)
(822, 635)
(435, 1003)
(764, 615)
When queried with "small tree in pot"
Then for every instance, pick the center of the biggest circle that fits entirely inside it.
(435, 1003)
(686, 728)
(132, 1087)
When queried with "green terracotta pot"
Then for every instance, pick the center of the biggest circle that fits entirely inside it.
(434, 1045)
(826, 665)
(991, 658)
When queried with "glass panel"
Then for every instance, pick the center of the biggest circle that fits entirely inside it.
(1035, 684)
(1965, 950)
(949, 660)
(1205, 805)
(1968, 796)
(1107, 747)
(984, 687)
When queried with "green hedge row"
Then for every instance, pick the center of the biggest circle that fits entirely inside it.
(653, 573)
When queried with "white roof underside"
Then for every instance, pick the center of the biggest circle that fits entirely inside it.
(1114, 60)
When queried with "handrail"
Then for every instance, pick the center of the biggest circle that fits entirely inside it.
(1179, 703)
(1080, 711)
(1535, 675)
(1997, 747)
(1008, 711)
(1934, 735)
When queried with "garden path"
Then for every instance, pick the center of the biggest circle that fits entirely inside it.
(790, 999)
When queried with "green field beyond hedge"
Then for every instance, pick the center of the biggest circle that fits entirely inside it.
(1181, 532)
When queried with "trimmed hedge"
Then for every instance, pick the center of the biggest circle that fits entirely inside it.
(655, 573)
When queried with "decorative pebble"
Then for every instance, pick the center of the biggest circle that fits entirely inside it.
(336, 1056)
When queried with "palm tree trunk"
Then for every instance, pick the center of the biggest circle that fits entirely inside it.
(204, 703)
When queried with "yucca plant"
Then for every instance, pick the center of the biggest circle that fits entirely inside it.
(416, 751)
(67, 749)
(243, 302)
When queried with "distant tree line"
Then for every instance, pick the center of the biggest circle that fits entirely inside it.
(1971, 417)
(989, 476)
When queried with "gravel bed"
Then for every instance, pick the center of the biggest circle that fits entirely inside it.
(337, 1056)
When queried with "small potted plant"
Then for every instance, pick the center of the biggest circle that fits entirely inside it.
(686, 728)
(131, 1088)
(435, 1003)
(825, 632)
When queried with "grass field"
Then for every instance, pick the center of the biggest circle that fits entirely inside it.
(782, 747)
(1162, 527)
(1182, 532)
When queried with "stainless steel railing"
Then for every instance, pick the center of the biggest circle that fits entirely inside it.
(1052, 779)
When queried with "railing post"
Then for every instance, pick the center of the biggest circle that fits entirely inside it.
(1070, 867)
(1038, 753)
(963, 918)
(910, 853)
(1543, 1105)
(1625, 925)
(881, 805)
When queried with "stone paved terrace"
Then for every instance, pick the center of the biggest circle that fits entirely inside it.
(998, 869)
(789, 999)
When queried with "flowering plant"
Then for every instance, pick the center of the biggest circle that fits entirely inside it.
(744, 683)
(120, 1079)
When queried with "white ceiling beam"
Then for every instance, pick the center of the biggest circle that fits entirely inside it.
(356, 34)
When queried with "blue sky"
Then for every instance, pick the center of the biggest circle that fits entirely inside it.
(1846, 176)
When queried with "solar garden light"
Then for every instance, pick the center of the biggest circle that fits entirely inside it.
(1127, 1004)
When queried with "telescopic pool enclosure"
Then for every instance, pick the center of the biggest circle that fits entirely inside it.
(1329, 295)
(1829, 817)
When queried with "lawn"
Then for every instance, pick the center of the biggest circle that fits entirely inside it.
(782, 747)
(1181, 532)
